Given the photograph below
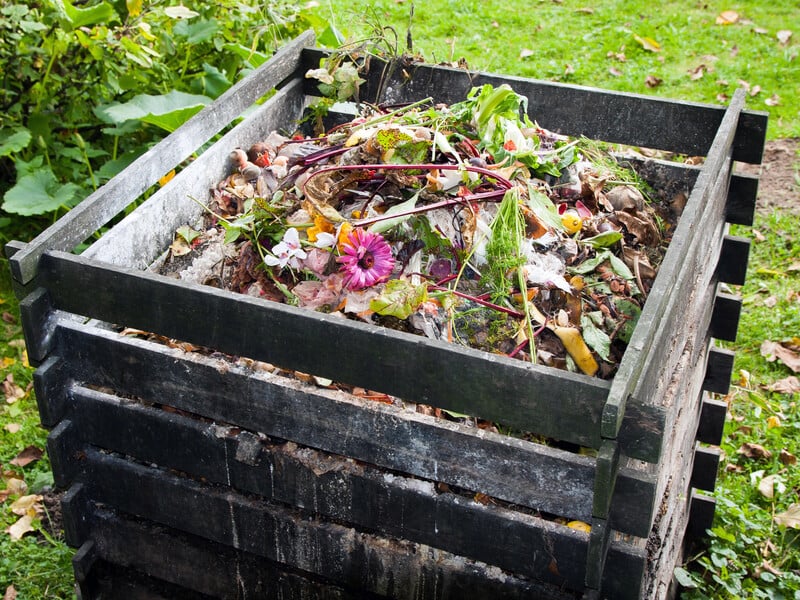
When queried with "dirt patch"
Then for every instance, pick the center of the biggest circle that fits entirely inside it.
(778, 188)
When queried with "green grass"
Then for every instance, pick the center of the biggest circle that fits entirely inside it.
(560, 42)
(568, 42)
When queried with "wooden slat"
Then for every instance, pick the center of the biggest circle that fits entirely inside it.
(394, 438)
(636, 120)
(725, 320)
(712, 421)
(732, 265)
(337, 489)
(701, 515)
(718, 371)
(704, 470)
(143, 235)
(527, 397)
(742, 199)
(50, 385)
(353, 560)
(656, 325)
(101, 206)
(35, 310)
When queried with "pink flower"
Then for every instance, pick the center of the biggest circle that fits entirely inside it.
(366, 259)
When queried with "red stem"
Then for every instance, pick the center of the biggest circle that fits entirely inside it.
(486, 303)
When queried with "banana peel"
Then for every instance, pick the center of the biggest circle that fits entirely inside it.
(573, 342)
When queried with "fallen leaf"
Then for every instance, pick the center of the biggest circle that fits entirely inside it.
(733, 468)
(9, 318)
(13, 427)
(773, 351)
(787, 458)
(755, 90)
(773, 100)
(20, 528)
(12, 391)
(744, 378)
(769, 485)
(647, 43)
(615, 72)
(773, 422)
(744, 84)
(525, 53)
(586, 10)
(723, 98)
(652, 81)
(697, 72)
(620, 56)
(770, 569)
(770, 302)
(727, 17)
(580, 526)
(28, 505)
(760, 30)
(790, 517)
(27, 456)
(15, 487)
(755, 451)
(784, 35)
(10, 594)
(568, 69)
(787, 385)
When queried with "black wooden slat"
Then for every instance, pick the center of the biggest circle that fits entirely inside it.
(706, 465)
(712, 421)
(35, 310)
(732, 265)
(527, 397)
(742, 199)
(335, 488)
(511, 469)
(368, 563)
(104, 204)
(49, 383)
(106, 580)
(701, 515)
(725, 318)
(682, 127)
(718, 371)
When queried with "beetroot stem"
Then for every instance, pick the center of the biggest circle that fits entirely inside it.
(477, 300)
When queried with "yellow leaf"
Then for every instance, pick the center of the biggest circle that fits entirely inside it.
(20, 528)
(579, 526)
(773, 422)
(166, 178)
(647, 43)
(727, 17)
(134, 7)
(27, 505)
(8, 361)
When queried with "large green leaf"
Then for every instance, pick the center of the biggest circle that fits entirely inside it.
(15, 141)
(75, 18)
(38, 193)
(168, 111)
(196, 32)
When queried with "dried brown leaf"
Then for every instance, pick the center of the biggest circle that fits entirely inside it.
(770, 302)
(754, 451)
(787, 385)
(13, 427)
(787, 458)
(28, 505)
(773, 100)
(10, 593)
(773, 351)
(568, 69)
(525, 53)
(12, 391)
(755, 90)
(27, 456)
(615, 72)
(697, 72)
(652, 81)
(20, 528)
(784, 35)
(9, 318)
(727, 17)
(790, 517)
(586, 10)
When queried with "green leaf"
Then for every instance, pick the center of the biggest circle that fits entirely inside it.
(168, 111)
(196, 32)
(187, 233)
(595, 338)
(631, 311)
(399, 299)
(387, 223)
(75, 18)
(38, 194)
(331, 37)
(684, 578)
(253, 57)
(180, 12)
(604, 240)
(211, 82)
(14, 142)
(544, 208)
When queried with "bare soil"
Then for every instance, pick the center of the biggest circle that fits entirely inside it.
(779, 184)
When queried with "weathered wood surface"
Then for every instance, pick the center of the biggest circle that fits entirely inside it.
(334, 488)
(695, 244)
(104, 204)
(507, 468)
(527, 397)
(241, 537)
(144, 234)
(636, 120)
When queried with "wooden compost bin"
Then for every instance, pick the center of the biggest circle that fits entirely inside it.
(191, 475)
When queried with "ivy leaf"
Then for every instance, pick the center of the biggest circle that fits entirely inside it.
(14, 142)
(39, 193)
(684, 578)
(399, 299)
(168, 111)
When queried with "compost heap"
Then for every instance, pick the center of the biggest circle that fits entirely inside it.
(466, 223)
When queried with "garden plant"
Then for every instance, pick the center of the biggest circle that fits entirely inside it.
(89, 87)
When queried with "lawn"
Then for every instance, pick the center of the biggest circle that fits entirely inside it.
(698, 51)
